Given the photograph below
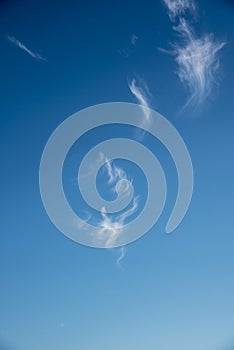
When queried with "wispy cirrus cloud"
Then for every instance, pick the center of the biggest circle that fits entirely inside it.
(121, 256)
(114, 172)
(198, 62)
(197, 58)
(177, 8)
(23, 47)
(142, 94)
(110, 228)
(116, 175)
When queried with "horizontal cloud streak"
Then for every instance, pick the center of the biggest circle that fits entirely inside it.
(19, 44)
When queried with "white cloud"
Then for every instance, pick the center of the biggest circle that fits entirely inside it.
(114, 172)
(197, 60)
(116, 176)
(109, 228)
(142, 94)
(19, 44)
(121, 256)
(176, 8)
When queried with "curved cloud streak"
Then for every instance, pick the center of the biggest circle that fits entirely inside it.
(110, 228)
(140, 92)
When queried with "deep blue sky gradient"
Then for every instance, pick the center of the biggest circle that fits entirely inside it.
(173, 292)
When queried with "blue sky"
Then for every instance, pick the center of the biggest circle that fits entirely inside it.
(170, 291)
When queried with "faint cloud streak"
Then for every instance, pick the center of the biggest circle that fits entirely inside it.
(20, 45)
(121, 256)
(134, 39)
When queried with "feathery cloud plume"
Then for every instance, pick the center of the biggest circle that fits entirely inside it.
(198, 62)
(19, 44)
(177, 8)
(197, 58)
